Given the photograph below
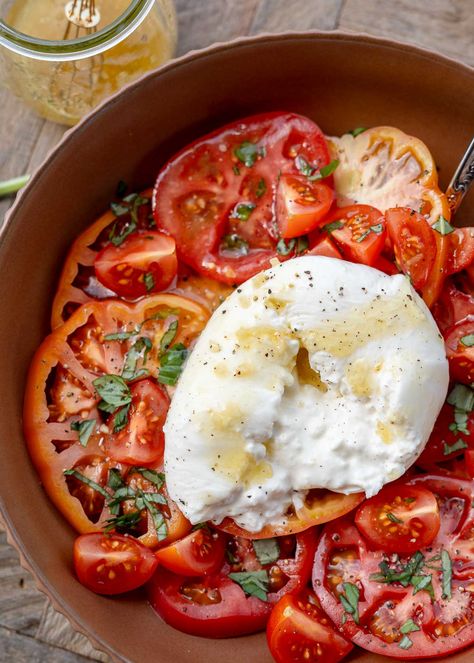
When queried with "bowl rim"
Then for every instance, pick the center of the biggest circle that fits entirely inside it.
(346, 36)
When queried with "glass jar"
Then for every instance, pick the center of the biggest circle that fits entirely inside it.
(62, 62)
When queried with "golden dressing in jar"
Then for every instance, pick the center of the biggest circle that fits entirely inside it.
(63, 88)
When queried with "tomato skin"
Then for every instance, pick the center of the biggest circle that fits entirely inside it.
(144, 263)
(200, 191)
(355, 239)
(441, 438)
(301, 204)
(231, 614)
(320, 506)
(386, 266)
(461, 250)
(460, 356)
(469, 462)
(299, 631)
(415, 507)
(199, 553)
(141, 442)
(325, 247)
(112, 564)
(414, 243)
(453, 306)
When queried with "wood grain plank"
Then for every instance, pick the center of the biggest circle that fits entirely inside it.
(18, 648)
(446, 26)
(279, 15)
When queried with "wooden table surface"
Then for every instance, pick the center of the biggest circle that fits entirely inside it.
(30, 630)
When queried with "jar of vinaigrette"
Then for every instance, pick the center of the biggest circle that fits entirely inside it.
(63, 57)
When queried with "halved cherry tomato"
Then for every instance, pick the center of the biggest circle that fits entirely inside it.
(301, 204)
(298, 631)
(221, 190)
(453, 306)
(112, 564)
(199, 553)
(320, 506)
(144, 263)
(442, 443)
(414, 244)
(384, 265)
(359, 232)
(141, 441)
(60, 394)
(459, 340)
(399, 518)
(385, 167)
(407, 607)
(469, 462)
(325, 247)
(461, 249)
(213, 606)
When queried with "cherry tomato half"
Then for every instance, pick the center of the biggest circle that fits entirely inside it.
(301, 204)
(199, 553)
(461, 249)
(144, 263)
(399, 518)
(299, 631)
(459, 340)
(325, 247)
(112, 564)
(359, 232)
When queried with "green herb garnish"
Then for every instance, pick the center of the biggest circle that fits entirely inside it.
(267, 550)
(149, 281)
(254, 583)
(468, 340)
(120, 418)
(236, 244)
(459, 445)
(248, 153)
(334, 225)
(85, 429)
(242, 211)
(405, 643)
(169, 336)
(393, 518)
(114, 392)
(88, 482)
(261, 188)
(350, 600)
(442, 226)
(138, 352)
(409, 626)
(446, 574)
(302, 244)
(156, 478)
(284, 248)
(357, 131)
(171, 364)
(126, 521)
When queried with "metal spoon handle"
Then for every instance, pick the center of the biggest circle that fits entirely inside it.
(462, 179)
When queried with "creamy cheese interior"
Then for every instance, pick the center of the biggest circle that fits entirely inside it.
(317, 373)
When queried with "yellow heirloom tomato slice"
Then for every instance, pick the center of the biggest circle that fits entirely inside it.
(385, 167)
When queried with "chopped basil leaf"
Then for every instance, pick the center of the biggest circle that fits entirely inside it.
(122, 494)
(447, 574)
(334, 225)
(121, 189)
(157, 516)
(420, 582)
(462, 397)
(113, 390)
(405, 643)
(162, 314)
(125, 521)
(442, 226)
(350, 600)
(363, 236)
(236, 170)
(236, 244)
(357, 131)
(172, 364)
(85, 429)
(142, 497)
(248, 152)
(403, 575)
(120, 418)
(283, 248)
(149, 281)
(115, 479)
(92, 484)
(254, 583)
(267, 550)
(377, 229)
(243, 211)
(302, 244)
(121, 336)
(261, 188)
(168, 336)
(200, 526)
(468, 340)
(459, 445)
(118, 236)
(303, 166)
(409, 626)
(156, 478)
(119, 209)
(393, 518)
(327, 170)
(137, 352)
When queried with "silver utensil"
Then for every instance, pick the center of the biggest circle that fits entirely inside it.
(462, 179)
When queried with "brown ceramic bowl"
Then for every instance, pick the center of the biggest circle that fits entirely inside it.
(340, 80)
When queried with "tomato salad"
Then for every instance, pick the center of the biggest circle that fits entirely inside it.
(393, 574)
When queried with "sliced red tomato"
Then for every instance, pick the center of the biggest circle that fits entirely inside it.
(446, 443)
(199, 553)
(112, 564)
(140, 440)
(459, 341)
(399, 518)
(144, 263)
(64, 413)
(325, 247)
(221, 189)
(399, 605)
(301, 204)
(212, 607)
(385, 265)
(461, 250)
(414, 244)
(298, 631)
(359, 232)
(453, 306)
(469, 462)
(320, 506)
